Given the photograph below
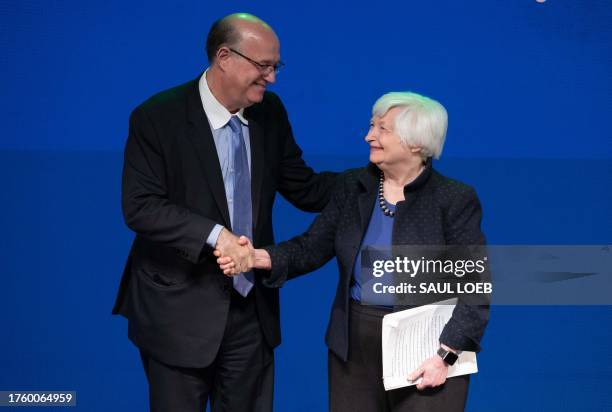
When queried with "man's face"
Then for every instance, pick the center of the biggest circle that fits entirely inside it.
(246, 80)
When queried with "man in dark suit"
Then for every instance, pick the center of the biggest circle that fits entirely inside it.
(203, 162)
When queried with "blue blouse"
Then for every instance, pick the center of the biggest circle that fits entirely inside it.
(378, 234)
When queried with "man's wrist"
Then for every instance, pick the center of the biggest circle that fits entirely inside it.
(213, 238)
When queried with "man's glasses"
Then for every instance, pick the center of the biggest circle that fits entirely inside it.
(264, 69)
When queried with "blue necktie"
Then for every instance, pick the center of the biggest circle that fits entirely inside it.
(242, 223)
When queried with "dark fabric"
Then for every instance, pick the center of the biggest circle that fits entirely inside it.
(436, 211)
(240, 378)
(356, 385)
(172, 291)
(172, 388)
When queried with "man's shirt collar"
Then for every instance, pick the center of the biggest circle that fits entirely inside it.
(218, 115)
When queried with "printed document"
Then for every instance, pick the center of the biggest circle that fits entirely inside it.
(411, 336)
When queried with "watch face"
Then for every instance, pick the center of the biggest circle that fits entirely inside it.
(450, 358)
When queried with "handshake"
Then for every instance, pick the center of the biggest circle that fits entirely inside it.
(236, 255)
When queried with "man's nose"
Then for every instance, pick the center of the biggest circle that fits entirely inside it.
(270, 77)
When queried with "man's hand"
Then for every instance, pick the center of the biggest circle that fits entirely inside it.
(230, 246)
(433, 372)
(258, 259)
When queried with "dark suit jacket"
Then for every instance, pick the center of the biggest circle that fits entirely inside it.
(172, 291)
(437, 211)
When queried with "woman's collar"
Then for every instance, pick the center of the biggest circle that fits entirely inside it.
(369, 179)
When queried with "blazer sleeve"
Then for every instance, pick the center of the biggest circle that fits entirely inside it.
(470, 317)
(146, 207)
(312, 249)
(297, 182)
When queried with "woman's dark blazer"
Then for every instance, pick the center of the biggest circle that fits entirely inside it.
(436, 211)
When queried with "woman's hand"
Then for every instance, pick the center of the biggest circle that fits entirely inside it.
(433, 372)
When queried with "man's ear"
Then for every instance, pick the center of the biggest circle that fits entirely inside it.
(222, 56)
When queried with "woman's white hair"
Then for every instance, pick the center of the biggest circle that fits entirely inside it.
(421, 121)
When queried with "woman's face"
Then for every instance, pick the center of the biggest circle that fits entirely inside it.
(385, 147)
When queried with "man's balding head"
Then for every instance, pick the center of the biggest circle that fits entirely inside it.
(244, 54)
(230, 30)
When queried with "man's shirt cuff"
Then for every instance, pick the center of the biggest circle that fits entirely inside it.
(214, 236)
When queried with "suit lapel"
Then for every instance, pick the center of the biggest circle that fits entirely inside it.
(256, 136)
(367, 197)
(411, 194)
(202, 139)
(365, 203)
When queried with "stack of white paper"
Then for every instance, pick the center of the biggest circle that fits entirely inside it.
(411, 336)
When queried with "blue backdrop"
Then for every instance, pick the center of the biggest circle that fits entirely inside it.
(528, 89)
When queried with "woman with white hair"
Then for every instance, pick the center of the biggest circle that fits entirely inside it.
(398, 199)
